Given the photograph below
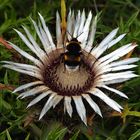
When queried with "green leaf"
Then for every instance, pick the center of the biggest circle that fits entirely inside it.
(6, 78)
(6, 25)
(2, 136)
(133, 83)
(74, 137)
(135, 135)
(8, 135)
(134, 113)
(54, 132)
(61, 134)
(57, 135)
(131, 19)
(28, 136)
(4, 104)
(4, 3)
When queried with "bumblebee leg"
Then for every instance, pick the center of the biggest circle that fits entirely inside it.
(64, 68)
(62, 61)
(79, 66)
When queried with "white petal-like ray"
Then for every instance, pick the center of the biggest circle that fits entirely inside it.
(67, 105)
(84, 36)
(26, 41)
(108, 59)
(33, 91)
(107, 46)
(115, 81)
(23, 66)
(58, 31)
(110, 55)
(92, 104)
(48, 105)
(123, 67)
(31, 73)
(117, 53)
(124, 62)
(47, 31)
(116, 40)
(118, 68)
(56, 100)
(120, 54)
(32, 47)
(91, 35)
(46, 42)
(80, 108)
(39, 52)
(25, 54)
(106, 99)
(77, 23)
(115, 91)
(107, 39)
(39, 97)
(42, 36)
(118, 75)
(82, 22)
(69, 25)
(28, 85)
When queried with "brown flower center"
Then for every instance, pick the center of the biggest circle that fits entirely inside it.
(66, 83)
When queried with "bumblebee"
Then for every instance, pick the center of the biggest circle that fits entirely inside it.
(72, 56)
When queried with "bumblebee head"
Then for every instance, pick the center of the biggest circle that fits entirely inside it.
(75, 40)
(73, 46)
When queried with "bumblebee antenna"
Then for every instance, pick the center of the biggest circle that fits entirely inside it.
(79, 34)
(69, 34)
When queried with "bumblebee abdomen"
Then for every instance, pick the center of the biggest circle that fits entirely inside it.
(72, 60)
(72, 63)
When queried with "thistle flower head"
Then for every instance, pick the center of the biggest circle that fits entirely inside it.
(56, 80)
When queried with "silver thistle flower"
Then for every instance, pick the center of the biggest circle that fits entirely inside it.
(96, 71)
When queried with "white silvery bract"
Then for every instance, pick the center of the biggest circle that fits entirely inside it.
(55, 84)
